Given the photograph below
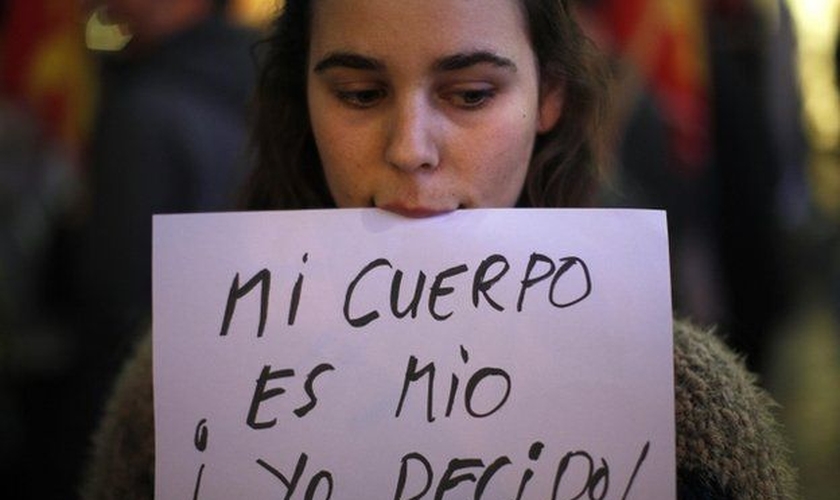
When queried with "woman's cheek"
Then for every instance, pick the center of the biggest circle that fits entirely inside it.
(510, 159)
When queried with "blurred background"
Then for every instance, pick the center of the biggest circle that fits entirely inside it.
(726, 116)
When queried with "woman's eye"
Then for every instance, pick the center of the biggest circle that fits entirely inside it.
(470, 98)
(363, 98)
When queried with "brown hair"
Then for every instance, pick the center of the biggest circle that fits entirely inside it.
(564, 165)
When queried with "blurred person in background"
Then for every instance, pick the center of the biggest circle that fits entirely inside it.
(168, 136)
(709, 129)
(38, 192)
(44, 109)
(760, 157)
(661, 125)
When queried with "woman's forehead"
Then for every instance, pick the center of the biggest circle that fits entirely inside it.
(394, 29)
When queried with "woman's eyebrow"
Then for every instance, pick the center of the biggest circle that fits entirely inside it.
(465, 60)
(348, 60)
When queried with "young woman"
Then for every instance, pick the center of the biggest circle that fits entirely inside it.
(421, 107)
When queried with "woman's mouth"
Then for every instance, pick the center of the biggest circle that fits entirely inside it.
(415, 212)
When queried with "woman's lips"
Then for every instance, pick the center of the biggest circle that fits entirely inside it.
(415, 212)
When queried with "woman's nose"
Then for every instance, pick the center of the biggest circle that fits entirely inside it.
(411, 143)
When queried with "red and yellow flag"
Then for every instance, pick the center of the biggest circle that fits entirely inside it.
(44, 65)
(665, 40)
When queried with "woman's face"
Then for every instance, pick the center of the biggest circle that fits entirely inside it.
(425, 106)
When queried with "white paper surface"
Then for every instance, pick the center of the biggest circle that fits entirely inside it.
(568, 367)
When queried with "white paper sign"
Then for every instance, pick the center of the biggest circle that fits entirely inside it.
(355, 354)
